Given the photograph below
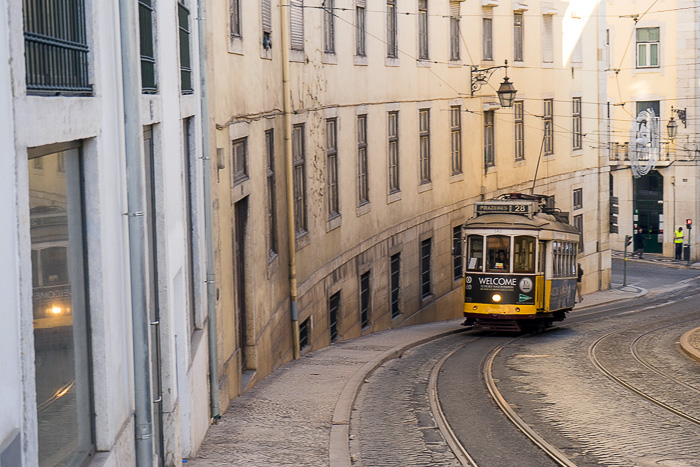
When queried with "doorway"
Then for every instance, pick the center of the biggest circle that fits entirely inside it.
(648, 210)
(239, 249)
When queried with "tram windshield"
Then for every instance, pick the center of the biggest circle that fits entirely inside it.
(524, 254)
(498, 253)
(475, 252)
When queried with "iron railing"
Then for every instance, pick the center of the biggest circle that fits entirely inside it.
(56, 50)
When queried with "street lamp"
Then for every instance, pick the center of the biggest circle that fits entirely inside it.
(506, 91)
(672, 128)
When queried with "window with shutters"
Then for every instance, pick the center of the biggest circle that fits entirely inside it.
(424, 144)
(236, 30)
(487, 39)
(183, 14)
(647, 47)
(489, 156)
(391, 22)
(329, 26)
(148, 56)
(360, 28)
(549, 126)
(55, 46)
(454, 30)
(266, 22)
(239, 160)
(296, 24)
(423, 29)
(332, 167)
(547, 39)
(519, 122)
(456, 139)
(299, 182)
(578, 198)
(576, 132)
(362, 168)
(518, 36)
(393, 135)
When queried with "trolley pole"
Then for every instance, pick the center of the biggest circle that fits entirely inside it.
(628, 240)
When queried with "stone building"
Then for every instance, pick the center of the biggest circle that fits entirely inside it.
(350, 146)
(105, 355)
(652, 69)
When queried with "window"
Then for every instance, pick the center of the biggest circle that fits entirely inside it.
(548, 126)
(332, 167)
(393, 130)
(456, 139)
(487, 42)
(362, 168)
(236, 30)
(489, 157)
(518, 37)
(391, 34)
(183, 15)
(148, 56)
(266, 20)
(395, 284)
(519, 115)
(360, 28)
(365, 299)
(608, 50)
(271, 195)
(423, 29)
(647, 47)
(333, 313)
(457, 252)
(426, 247)
(577, 54)
(454, 30)
(524, 254)
(475, 253)
(578, 198)
(55, 45)
(576, 131)
(60, 312)
(296, 24)
(498, 253)
(239, 158)
(424, 144)
(547, 39)
(189, 162)
(304, 333)
(329, 26)
(578, 223)
(299, 162)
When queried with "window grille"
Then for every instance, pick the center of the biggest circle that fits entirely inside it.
(56, 49)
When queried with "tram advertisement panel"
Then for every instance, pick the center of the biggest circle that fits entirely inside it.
(519, 290)
(563, 294)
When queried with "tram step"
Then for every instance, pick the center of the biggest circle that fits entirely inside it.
(497, 325)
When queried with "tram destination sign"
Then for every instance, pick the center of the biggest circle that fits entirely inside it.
(505, 207)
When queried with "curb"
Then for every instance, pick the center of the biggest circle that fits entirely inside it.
(339, 448)
(641, 293)
(690, 350)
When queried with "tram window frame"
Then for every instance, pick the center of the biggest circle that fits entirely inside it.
(529, 264)
(541, 251)
(492, 258)
(472, 259)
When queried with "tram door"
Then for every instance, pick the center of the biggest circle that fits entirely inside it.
(540, 280)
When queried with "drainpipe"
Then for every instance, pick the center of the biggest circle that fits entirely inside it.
(291, 231)
(208, 223)
(133, 145)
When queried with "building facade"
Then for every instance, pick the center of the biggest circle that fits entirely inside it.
(104, 270)
(651, 63)
(351, 147)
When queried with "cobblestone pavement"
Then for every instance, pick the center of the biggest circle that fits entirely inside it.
(300, 414)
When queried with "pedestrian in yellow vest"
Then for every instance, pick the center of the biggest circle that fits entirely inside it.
(679, 243)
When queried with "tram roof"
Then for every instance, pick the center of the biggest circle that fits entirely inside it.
(539, 221)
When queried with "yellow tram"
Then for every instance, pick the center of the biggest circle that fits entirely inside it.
(519, 263)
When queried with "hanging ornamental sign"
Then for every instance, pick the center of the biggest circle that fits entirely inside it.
(644, 143)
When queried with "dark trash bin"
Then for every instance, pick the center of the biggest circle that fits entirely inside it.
(686, 252)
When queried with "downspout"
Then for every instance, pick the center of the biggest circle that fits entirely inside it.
(128, 19)
(291, 231)
(208, 223)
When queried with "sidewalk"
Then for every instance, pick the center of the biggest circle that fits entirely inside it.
(300, 414)
(655, 258)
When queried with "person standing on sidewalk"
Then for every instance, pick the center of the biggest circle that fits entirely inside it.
(679, 243)
(579, 278)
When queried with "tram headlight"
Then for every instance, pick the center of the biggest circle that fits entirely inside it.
(56, 310)
(496, 297)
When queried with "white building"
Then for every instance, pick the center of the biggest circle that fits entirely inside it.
(105, 347)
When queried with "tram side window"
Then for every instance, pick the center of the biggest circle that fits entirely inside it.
(475, 252)
(555, 259)
(498, 253)
(524, 254)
